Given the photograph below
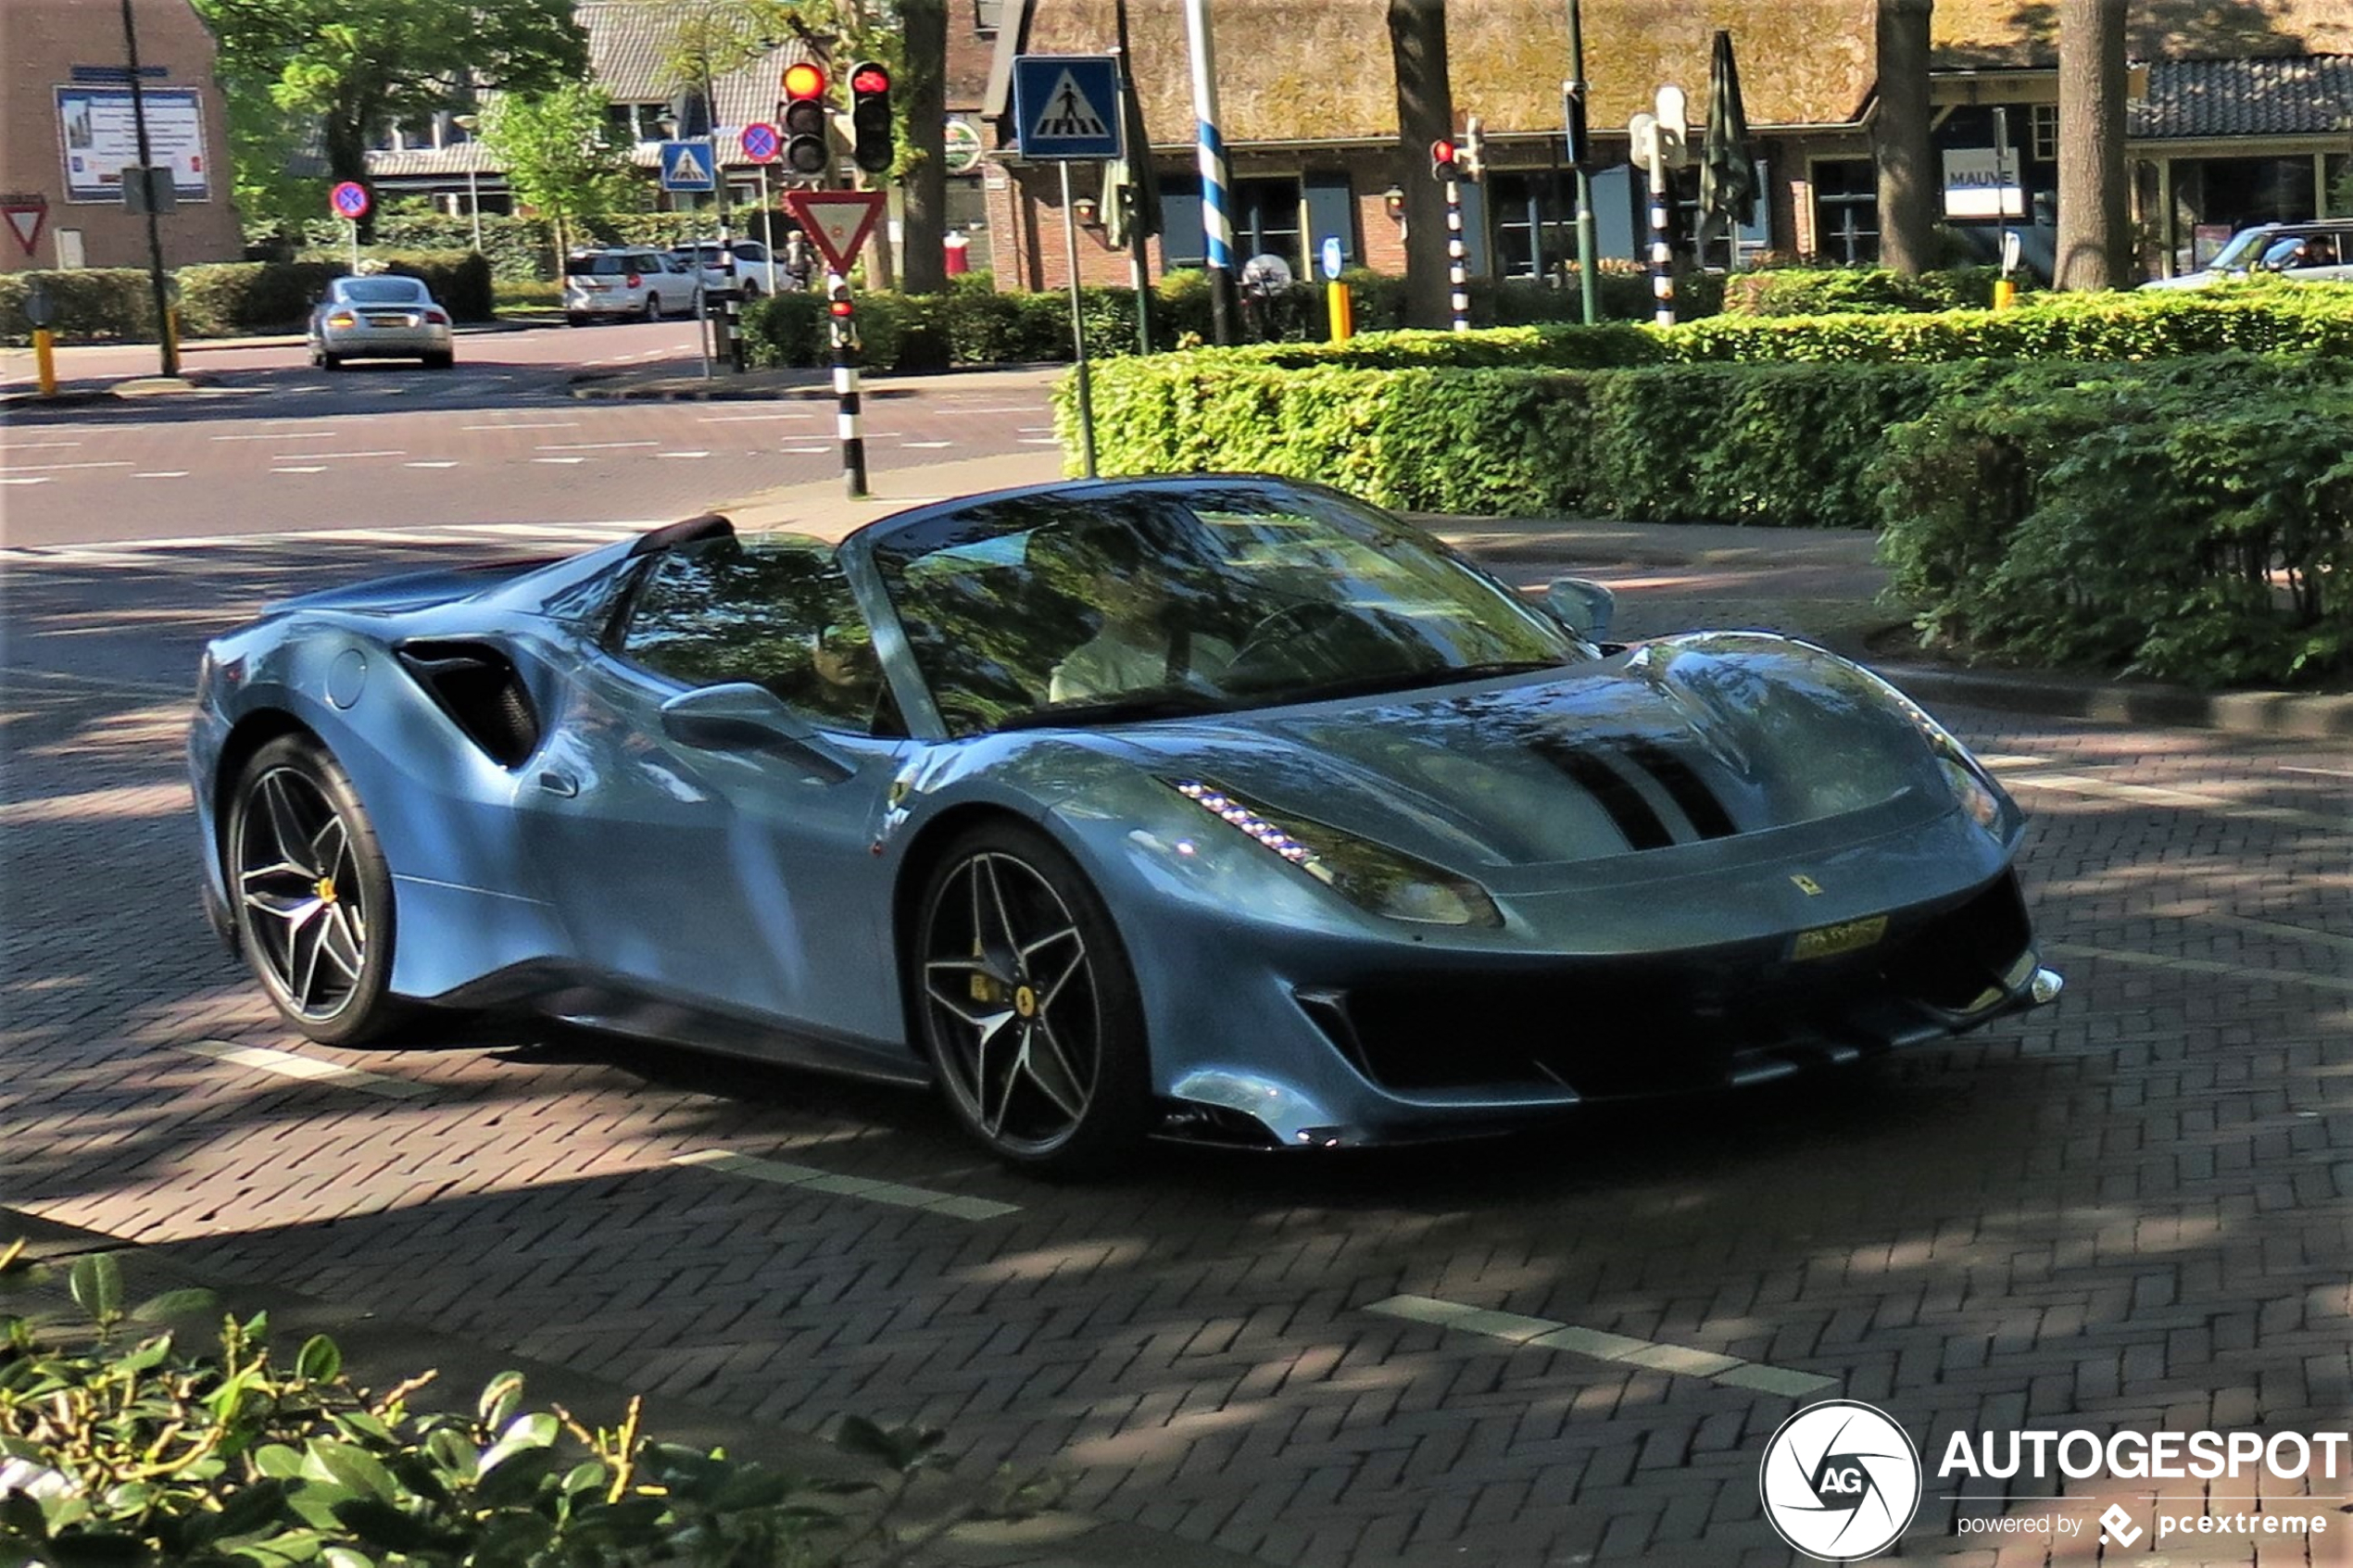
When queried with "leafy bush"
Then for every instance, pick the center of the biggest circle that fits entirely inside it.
(226, 298)
(144, 1454)
(88, 304)
(2188, 522)
(458, 278)
(1829, 291)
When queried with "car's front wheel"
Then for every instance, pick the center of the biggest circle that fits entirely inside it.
(311, 893)
(653, 307)
(1028, 1006)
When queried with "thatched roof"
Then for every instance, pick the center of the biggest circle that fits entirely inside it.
(1318, 70)
(1997, 33)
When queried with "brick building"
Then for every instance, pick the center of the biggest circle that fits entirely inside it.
(2241, 112)
(66, 130)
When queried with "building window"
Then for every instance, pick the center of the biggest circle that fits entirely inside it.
(1846, 211)
(2046, 138)
(1266, 222)
(1535, 223)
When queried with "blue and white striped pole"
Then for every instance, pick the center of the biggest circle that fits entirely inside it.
(1216, 216)
(1662, 248)
(1457, 256)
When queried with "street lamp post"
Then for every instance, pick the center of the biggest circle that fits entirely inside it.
(470, 123)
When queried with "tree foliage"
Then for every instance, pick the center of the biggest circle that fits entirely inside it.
(560, 156)
(354, 67)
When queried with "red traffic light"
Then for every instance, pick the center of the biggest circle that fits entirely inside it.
(803, 80)
(841, 307)
(870, 78)
(1441, 151)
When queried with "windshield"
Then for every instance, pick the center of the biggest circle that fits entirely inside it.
(2241, 251)
(1054, 608)
(382, 291)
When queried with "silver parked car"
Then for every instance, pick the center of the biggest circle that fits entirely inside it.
(381, 318)
(756, 271)
(2317, 252)
(628, 281)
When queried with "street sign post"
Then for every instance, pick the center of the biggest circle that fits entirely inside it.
(836, 221)
(686, 166)
(349, 201)
(1066, 107)
(763, 143)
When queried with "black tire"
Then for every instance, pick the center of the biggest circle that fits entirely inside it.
(317, 357)
(310, 894)
(575, 318)
(329, 361)
(653, 307)
(1076, 1098)
(440, 361)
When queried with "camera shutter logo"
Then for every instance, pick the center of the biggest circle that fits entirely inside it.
(1841, 1481)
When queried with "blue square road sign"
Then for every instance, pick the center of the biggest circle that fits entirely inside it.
(686, 166)
(1066, 107)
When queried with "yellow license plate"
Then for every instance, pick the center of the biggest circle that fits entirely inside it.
(1847, 936)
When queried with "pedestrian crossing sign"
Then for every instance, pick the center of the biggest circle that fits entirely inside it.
(1066, 107)
(686, 166)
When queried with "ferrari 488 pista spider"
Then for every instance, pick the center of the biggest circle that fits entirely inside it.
(1229, 808)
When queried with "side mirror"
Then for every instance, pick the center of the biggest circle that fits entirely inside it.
(1581, 605)
(740, 716)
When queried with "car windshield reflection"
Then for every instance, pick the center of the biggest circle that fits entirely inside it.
(1037, 610)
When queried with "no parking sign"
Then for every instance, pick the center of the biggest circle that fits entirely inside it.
(760, 143)
(349, 200)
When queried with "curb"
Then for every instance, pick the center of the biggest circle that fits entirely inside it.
(2301, 715)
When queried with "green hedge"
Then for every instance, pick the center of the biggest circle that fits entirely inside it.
(1774, 444)
(91, 304)
(227, 298)
(2190, 521)
(459, 279)
(1830, 290)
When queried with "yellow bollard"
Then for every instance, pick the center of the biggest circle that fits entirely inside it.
(2005, 293)
(45, 359)
(1343, 311)
(171, 333)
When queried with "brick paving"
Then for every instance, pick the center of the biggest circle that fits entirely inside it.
(2130, 1210)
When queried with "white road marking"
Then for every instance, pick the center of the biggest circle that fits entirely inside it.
(36, 468)
(558, 459)
(551, 424)
(592, 445)
(439, 463)
(279, 436)
(2206, 966)
(1032, 430)
(808, 1176)
(1546, 1333)
(685, 454)
(1039, 441)
(36, 446)
(923, 446)
(807, 449)
(344, 453)
(42, 479)
(1009, 408)
(2319, 772)
(743, 419)
(162, 473)
(312, 469)
(288, 1064)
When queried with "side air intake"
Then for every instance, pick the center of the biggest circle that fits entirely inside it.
(477, 685)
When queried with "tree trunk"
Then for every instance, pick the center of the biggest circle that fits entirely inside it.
(1425, 114)
(924, 267)
(2095, 223)
(1907, 177)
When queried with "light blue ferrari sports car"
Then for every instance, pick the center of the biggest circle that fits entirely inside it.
(1222, 807)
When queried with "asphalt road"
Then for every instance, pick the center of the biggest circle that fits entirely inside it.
(270, 443)
(2127, 1211)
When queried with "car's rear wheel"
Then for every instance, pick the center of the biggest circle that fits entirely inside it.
(440, 361)
(653, 307)
(575, 319)
(1028, 1006)
(329, 361)
(311, 893)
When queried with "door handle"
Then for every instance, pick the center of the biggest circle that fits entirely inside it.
(558, 784)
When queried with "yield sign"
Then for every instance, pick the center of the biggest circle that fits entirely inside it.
(838, 221)
(25, 212)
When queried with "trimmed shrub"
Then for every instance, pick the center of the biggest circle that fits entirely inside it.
(458, 278)
(90, 304)
(227, 298)
(1829, 291)
(2186, 522)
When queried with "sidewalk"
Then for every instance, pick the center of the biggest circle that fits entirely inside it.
(1823, 585)
(379, 1352)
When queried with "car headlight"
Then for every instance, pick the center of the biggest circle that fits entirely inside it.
(1372, 876)
(1963, 774)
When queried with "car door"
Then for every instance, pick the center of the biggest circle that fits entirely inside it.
(737, 874)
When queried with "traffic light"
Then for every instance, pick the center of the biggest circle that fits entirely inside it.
(870, 117)
(805, 118)
(1442, 165)
(1573, 122)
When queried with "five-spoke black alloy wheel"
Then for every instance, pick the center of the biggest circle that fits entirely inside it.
(1028, 1006)
(311, 892)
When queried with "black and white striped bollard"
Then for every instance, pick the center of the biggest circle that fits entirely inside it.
(1457, 256)
(1662, 248)
(843, 317)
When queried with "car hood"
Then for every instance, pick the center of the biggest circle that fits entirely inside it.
(1693, 739)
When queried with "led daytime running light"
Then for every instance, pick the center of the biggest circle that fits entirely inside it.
(1227, 809)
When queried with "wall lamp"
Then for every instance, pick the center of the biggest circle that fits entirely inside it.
(1087, 211)
(1394, 200)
